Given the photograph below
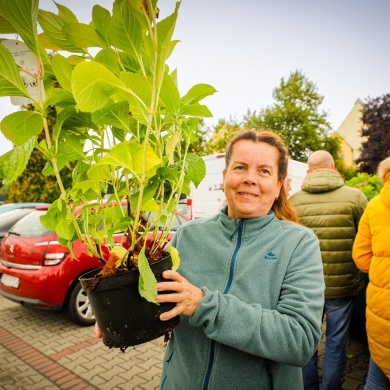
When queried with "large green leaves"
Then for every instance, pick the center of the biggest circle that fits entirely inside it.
(53, 25)
(21, 126)
(93, 85)
(147, 283)
(125, 30)
(121, 125)
(13, 163)
(22, 15)
(82, 35)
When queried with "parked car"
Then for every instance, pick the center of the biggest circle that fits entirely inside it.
(8, 219)
(35, 269)
(21, 205)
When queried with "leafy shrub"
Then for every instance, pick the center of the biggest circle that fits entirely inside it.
(368, 184)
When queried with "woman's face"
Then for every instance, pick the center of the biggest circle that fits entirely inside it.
(251, 180)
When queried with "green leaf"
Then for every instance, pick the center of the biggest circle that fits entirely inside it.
(138, 94)
(88, 185)
(60, 98)
(196, 168)
(93, 84)
(21, 126)
(101, 19)
(150, 159)
(165, 30)
(173, 141)
(6, 27)
(13, 163)
(65, 229)
(23, 16)
(100, 173)
(66, 14)
(11, 83)
(116, 115)
(82, 35)
(148, 194)
(125, 30)
(147, 284)
(108, 58)
(54, 214)
(52, 25)
(175, 257)
(197, 93)
(170, 95)
(119, 156)
(63, 71)
(196, 109)
(150, 206)
(70, 150)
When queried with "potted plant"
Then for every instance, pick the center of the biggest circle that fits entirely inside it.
(122, 127)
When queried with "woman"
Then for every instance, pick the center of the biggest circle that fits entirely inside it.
(371, 253)
(250, 287)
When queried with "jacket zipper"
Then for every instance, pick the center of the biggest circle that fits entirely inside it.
(226, 291)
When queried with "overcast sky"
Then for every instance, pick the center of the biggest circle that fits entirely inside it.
(244, 49)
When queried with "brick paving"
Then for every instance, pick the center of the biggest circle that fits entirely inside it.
(41, 350)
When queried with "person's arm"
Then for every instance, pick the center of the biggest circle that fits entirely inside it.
(288, 334)
(362, 246)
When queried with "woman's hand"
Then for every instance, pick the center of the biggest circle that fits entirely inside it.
(182, 292)
(98, 334)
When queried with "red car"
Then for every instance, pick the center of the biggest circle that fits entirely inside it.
(35, 269)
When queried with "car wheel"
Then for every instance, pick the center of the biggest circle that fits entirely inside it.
(78, 308)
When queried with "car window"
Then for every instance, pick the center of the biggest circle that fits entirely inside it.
(30, 226)
(11, 217)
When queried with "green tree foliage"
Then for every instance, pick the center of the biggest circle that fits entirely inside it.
(32, 185)
(296, 117)
(199, 138)
(223, 133)
(368, 184)
(376, 127)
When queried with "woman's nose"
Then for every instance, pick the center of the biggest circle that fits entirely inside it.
(250, 176)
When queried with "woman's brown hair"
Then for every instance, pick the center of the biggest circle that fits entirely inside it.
(281, 207)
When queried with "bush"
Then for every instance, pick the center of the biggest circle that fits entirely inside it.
(368, 184)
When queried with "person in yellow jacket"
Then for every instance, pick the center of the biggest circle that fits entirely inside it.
(371, 253)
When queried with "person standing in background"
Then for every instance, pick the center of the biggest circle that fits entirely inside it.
(371, 253)
(332, 210)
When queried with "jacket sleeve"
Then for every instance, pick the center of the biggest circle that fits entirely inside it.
(362, 246)
(288, 334)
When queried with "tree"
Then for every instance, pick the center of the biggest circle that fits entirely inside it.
(376, 127)
(296, 117)
(32, 185)
(223, 133)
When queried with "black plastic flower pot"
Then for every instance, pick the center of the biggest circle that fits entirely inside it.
(125, 318)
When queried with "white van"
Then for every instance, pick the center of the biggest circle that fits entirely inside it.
(208, 198)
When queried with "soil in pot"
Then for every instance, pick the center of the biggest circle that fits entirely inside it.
(125, 318)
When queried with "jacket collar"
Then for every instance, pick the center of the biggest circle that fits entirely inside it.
(250, 226)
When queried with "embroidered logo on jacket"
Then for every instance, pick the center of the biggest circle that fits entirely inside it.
(270, 256)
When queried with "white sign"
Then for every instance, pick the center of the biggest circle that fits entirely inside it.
(28, 62)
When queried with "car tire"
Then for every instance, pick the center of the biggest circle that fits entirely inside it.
(78, 308)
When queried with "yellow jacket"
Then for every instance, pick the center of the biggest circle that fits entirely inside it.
(371, 253)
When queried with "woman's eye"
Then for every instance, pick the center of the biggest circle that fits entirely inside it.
(264, 171)
(239, 168)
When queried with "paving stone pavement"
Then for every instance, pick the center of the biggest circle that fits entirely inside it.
(41, 350)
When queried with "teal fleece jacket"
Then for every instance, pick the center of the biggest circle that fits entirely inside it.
(260, 317)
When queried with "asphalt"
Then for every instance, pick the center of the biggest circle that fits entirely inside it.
(42, 350)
